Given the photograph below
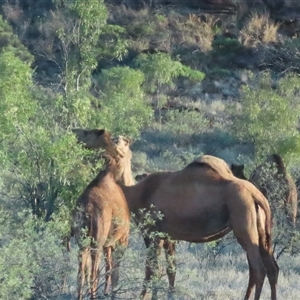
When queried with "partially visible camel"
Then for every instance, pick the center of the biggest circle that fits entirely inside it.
(202, 203)
(273, 180)
(101, 221)
(140, 177)
(238, 171)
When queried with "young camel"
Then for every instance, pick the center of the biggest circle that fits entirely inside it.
(101, 221)
(202, 203)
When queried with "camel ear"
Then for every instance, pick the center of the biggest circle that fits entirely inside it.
(99, 132)
(128, 141)
(140, 177)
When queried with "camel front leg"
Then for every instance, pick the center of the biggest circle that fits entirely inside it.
(95, 269)
(153, 250)
(108, 269)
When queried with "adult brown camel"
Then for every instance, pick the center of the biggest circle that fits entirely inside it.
(101, 221)
(202, 203)
(273, 180)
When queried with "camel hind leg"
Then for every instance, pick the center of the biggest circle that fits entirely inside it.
(272, 269)
(267, 257)
(169, 247)
(245, 229)
(251, 282)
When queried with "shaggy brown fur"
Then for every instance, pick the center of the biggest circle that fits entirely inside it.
(277, 185)
(201, 205)
(103, 212)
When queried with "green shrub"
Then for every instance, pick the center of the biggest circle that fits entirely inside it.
(268, 118)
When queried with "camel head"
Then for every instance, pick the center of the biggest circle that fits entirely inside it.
(238, 171)
(96, 139)
(124, 154)
(140, 177)
(122, 146)
(117, 148)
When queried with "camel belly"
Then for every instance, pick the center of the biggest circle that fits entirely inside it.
(197, 226)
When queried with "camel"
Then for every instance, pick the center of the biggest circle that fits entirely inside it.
(140, 177)
(202, 203)
(273, 180)
(238, 171)
(199, 205)
(102, 213)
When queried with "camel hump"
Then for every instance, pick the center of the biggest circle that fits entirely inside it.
(215, 163)
(278, 161)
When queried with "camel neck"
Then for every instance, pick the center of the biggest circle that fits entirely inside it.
(132, 194)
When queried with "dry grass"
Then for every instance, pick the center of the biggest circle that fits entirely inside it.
(166, 30)
(260, 29)
(194, 31)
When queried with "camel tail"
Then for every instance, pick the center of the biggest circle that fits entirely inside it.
(262, 202)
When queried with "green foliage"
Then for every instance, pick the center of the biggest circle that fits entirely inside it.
(10, 41)
(83, 40)
(123, 108)
(15, 103)
(225, 46)
(31, 261)
(88, 22)
(268, 118)
(161, 69)
(185, 122)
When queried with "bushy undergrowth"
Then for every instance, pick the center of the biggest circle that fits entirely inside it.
(32, 262)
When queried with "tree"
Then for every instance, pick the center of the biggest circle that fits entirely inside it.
(268, 118)
(77, 36)
(159, 70)
(122, 101)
